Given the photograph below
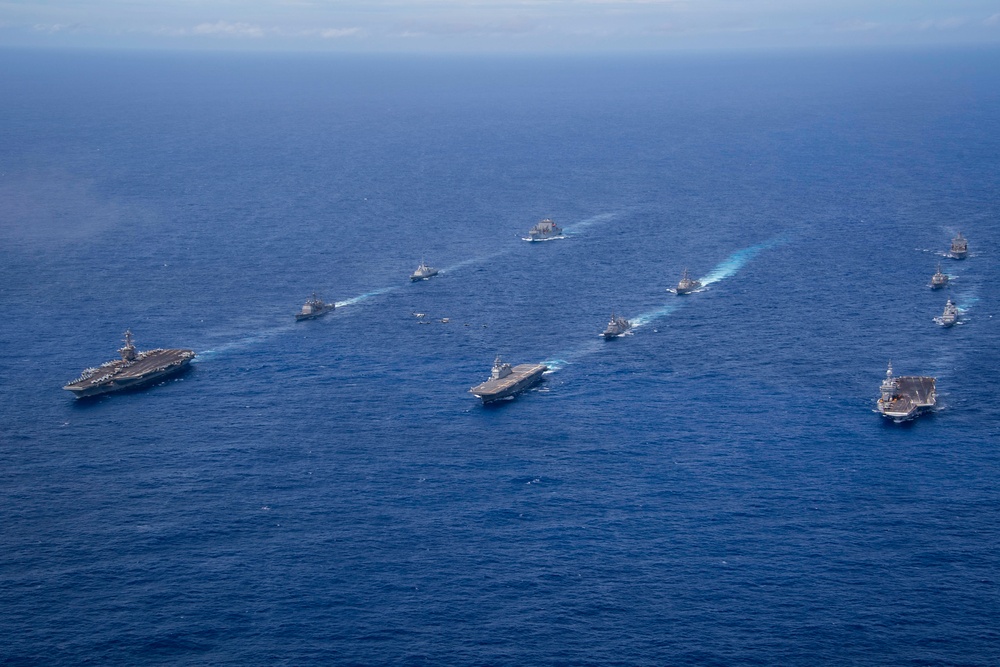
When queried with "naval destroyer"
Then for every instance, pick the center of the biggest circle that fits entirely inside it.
(134, 369)
(939, 280)
(618, 326)
(906, 397)
(313, 308)
(423, 272)
(546, 230)
(507, 381)
(950, 315)
(959, 247)
(687, 284)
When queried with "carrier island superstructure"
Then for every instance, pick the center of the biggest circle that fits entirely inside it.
(134, 369)
(506, 380)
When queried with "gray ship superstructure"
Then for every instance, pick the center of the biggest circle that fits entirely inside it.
(508, 381)
(133, 370)
(617, 326)
(959, 247)
(950, 315)
(423, 272)
(687, 284)
(546, 230)
(939, 280)
(906, 397)
(314, 307)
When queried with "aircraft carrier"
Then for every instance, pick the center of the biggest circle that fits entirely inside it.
(134, 369)
(508, 381)
(906, 396)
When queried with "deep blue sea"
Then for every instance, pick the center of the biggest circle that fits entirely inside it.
(714, 489)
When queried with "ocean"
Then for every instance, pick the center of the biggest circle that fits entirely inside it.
(713, 489)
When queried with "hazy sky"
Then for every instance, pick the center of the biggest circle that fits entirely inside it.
(513, 26)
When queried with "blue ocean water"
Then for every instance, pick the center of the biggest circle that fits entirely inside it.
(714, 489)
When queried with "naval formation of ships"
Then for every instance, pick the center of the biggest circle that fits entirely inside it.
(905, 397)
(901, 397)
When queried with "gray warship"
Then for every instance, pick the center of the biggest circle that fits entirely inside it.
(687, 284)
(618, 326)
(959, 247)
(507, 381)
(906, 397)
(939, 280)
(313, 307)
(950, 315)
(546, 230)
(134, 369)
(423, 272)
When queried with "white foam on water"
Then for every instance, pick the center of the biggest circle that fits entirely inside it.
(729, 266)
(475, 260)
(595, 220)
(241, 343)
(366, 295)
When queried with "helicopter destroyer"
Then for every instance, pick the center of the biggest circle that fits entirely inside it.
(423, 272)
(907, 396)
(618, 326)
(950, 315)
(546, 230)
(134, 369)
(959, 247)
(507, 381)
(939, 280)
(313, 307)
(687, 284)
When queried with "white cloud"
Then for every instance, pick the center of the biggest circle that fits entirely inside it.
(335, 33)
(226, 28)
(52, 28)
(942, 24)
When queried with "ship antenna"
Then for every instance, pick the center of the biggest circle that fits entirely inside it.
(888, 372)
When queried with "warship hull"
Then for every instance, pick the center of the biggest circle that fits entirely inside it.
(521, 377)
(423, 276)
(915, 395)
(313, 315)
(121, 375)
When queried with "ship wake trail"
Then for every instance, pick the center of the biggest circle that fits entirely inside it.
(589, 222)
(474, 260)
(739, 259)
(242, 343)
(725, 269)
(367, 295)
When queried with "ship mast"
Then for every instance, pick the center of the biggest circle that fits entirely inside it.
(128, 350)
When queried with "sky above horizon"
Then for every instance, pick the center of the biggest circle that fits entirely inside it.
(497, 26)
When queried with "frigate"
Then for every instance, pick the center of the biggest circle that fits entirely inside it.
(906, 397)
(313, 308)
(959, 247)
(546, 230)
(423, 272)
(134, 369)
(950, 315)
(939, 280)
(508, 381)
(687, 284)
(616, 327)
